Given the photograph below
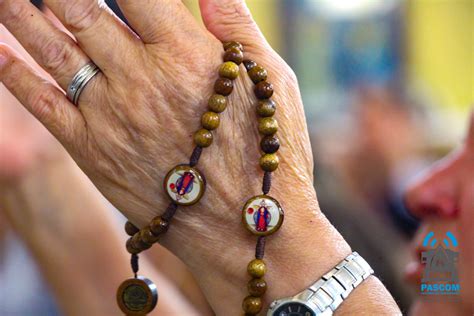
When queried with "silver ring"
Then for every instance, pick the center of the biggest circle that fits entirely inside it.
(80, 80)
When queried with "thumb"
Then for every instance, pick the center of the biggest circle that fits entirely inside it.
(231, 20)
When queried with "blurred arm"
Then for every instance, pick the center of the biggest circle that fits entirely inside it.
(75, 241)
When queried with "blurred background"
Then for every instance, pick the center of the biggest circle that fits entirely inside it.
(387, 87)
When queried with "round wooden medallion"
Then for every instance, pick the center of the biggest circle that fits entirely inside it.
(137, 296)
(184, 185)
(262, 215)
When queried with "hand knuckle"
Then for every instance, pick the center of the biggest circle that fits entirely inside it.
(16, 11)
(234, 12)
(43, 102)
(231, 15)
(81, 14)
(56, 55)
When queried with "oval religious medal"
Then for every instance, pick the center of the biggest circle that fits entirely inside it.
(262, 215)
(137, 296)
(184, 185)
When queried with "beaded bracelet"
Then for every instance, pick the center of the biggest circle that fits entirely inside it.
(184, 185)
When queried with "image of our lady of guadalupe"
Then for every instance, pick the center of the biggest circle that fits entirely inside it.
(262, 218)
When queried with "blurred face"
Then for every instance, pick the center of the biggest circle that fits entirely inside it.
(444, 199)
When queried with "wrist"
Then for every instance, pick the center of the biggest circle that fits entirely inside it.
(305, 247)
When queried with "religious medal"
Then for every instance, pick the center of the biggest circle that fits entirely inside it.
(137, 296)
(262, 215)
(184, 185)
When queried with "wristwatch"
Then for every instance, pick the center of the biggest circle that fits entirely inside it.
(325, 296)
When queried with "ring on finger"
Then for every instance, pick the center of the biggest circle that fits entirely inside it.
(80, 81)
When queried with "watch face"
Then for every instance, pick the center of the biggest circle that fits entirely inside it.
(293, 309)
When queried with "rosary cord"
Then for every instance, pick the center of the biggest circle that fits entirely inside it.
(134, 264)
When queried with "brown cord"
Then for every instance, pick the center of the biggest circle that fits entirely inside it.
(170, 211)
(267, 182)
(195, 156)
(134, 264)
(260, 248)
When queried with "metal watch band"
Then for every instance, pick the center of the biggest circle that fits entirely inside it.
(336, 285)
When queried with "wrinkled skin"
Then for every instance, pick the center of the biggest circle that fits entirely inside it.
(136, 119)
(444, 197)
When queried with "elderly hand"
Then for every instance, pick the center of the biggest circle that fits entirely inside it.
(135, 121)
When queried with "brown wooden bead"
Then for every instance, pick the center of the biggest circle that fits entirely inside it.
(252, 305)
(217, 103)
(131, 229)
(270, 144)
(268, 126)
(269, 162)
(257, 287)
(263, 90)
(256, 268)
(210, 120)
(159, 226)
(147, 236)
(223, 86)
(266, 107)
(249, 64)
(138, 243)
(130, 248)
(203, 138)
(229, 70)
(234, 54)
(257, 74)
(233, 44)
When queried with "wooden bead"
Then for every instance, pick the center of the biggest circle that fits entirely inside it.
(257, 74)
(210, 120)
(266, 107)
(158, 226)
(223, 86)
(217, 103)
(234, 54)
(233, 44)
(130, 248)
(252, 305)
(203, 138)
(269, 162)
(257, 287)
(263, 90)
(229, 70)
(267, 126)
(131, 229)
(138, 243)
(256, 268)
(147, 236)
(270, 144)
(249, 64)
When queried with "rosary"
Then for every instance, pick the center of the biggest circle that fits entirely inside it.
(262, 215)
